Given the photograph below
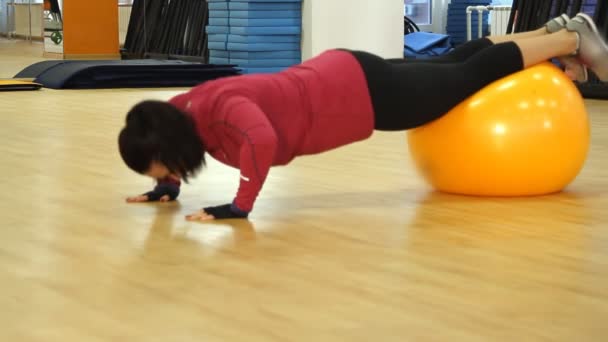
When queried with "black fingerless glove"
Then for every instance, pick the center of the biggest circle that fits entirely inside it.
(226, 211)
(161, 190)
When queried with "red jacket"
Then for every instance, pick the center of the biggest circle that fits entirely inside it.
(253, 122)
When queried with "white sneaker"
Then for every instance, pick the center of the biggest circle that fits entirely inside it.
(592, 50)
(576, 70)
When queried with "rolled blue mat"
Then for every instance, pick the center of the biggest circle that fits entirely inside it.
(276, 30)
(264, 22)
(236, 38)
(262, 46)
(218, 37)
(219, 53)
(265, 14)
(217, 29)
(263, 6)
(219, 14)
(265, 55)
(266, 63)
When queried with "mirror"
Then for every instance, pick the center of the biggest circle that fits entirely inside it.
(53, 28)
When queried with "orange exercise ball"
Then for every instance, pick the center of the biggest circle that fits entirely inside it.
(526, 134)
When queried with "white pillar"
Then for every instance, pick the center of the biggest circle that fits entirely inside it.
(375, 26)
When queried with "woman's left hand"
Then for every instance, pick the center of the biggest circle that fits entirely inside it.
(226, 211)
(200, 215)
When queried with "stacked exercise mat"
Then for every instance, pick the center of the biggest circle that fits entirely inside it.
(258, 36)
(457, 20)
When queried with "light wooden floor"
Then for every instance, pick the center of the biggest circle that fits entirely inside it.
(346, 246)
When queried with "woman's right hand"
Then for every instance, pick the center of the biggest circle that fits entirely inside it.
(144, 198)
(137, 199)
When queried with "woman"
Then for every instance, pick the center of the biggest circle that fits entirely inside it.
(253, 122)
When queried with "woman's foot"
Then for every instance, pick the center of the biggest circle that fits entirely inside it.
(592, 50)
(576, 70)
(557, 23)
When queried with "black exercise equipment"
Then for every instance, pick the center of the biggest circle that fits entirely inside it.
(167, 27)
(409, 26)
(529, 15)
(54, 8)
(77, 74)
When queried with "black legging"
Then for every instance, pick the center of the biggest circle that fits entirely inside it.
(459, 54)
(407, 94)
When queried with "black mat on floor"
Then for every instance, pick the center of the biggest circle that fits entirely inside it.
(147, 73)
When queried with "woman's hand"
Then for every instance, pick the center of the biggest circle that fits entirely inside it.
(200, 215)
(226, 211)
(145, 198)
(137, 199)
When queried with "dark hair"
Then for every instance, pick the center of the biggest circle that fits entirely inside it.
(158, 131)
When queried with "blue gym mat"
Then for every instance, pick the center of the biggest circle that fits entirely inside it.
(276, 30)
(219, 14)
(219, 60)
(217, 37)
(265, 54)
(266, 63)
(263, 6)
(265, 14)
(218, 45)
(219, 53)
(262, 46)
(265, 22)
(217, 29)
(261, 70)
(419, 41)
(456, 19)
(218, 6)
(219, 21)
(235, 38)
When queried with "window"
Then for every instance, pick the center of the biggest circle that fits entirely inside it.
(420, 11)
(26, 1)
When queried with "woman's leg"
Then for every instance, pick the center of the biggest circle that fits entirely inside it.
(406, 95)
(470, 48)
(573, 68)
(459, 54)
(539, 49)
(519, 36)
